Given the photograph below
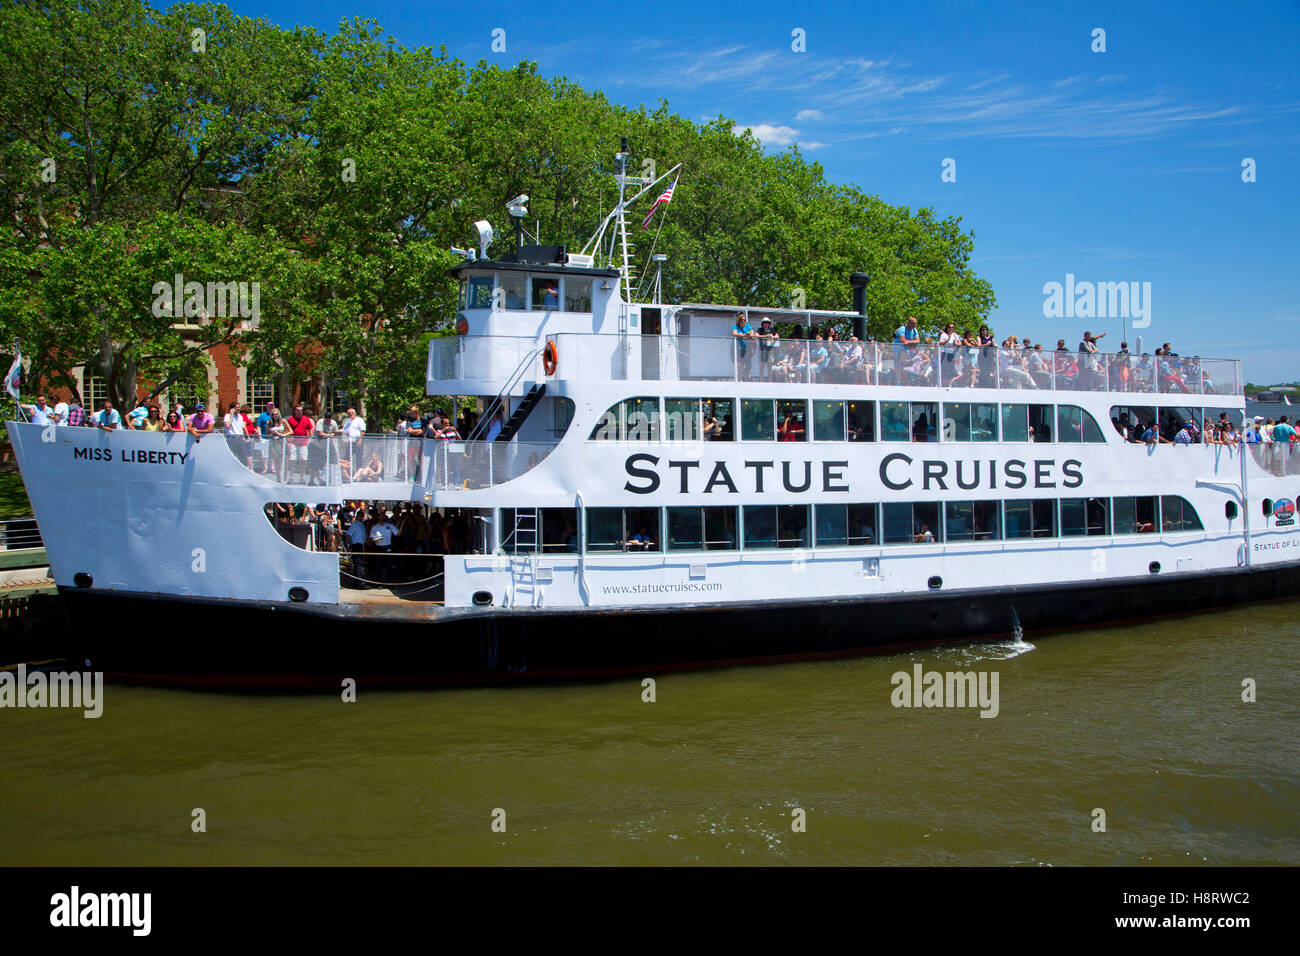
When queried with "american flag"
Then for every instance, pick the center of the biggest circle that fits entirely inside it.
(665, 197)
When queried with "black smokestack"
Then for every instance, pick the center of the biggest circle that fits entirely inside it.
(859, 282)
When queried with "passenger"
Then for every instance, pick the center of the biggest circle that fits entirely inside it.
(712, 428)
(1089, 343)
(372, 470)
(1228, 434)
(906, 338)
(1283, 432)
(174, 422)
(300, 427)
(76, 414)
(550, 297)
(201, 423)
(742, 332)
(925, 535)
(791, 429)
(1186, 434)
(768, 341)
(108, 419)
(153, 421)
(641, 540)
(1209, 434)
(949, 340)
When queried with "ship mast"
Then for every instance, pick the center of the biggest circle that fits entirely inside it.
(619, 249)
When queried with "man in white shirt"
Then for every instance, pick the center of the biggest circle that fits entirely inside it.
(494, 429)
(355, 426)
(41, 413)
(61, 413)
(381, 537)
(107, 418)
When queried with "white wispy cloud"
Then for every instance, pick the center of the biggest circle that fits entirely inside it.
(769, 135)
(804, 115)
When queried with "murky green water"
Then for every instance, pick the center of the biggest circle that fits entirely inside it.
(1145, 722)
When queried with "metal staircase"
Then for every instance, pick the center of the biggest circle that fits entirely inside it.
(522, 411)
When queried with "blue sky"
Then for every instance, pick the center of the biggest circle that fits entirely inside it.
(1123, 165)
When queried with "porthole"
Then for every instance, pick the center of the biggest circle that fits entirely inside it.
(297, 595)
(1267, 506)
(1230, 509)
(82, 580)
(482, 598)
(936, 582)
(1154, 567)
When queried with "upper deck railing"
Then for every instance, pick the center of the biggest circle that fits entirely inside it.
(684, 358)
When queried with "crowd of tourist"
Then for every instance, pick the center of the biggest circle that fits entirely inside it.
(388, 543)
(962, 358)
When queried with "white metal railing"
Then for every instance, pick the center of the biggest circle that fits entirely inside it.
(1279, 458)
(602, 357)
(333, 460)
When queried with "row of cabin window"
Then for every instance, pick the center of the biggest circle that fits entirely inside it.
(525, 293)
(690, 419)
(763, 527)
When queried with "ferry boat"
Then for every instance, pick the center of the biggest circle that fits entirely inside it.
(662, 494)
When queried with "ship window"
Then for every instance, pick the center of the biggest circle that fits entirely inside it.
(546, 293)
(963, 421)
(577, 295)
(1084, 517)
(512, 291)
(792, 420)
(476, 292)
(1015, 423)
(702, 529)
(1172, 420)
(828, 421)
(909, 421)
(861, 418)
(681, 419)
(1034, 518)
(972, 521)
(1074, 425)
(528, 530)
(757, 419)
(780, 526)
(915, 522)
(1131, 421)
(1135, 515)
(622, 529)
(841, 526)
(724, 411)
(636, 419)
(1177, 514)
(562, 414)
(1041, 422)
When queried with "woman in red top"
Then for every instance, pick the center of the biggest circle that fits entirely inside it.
(790, 429)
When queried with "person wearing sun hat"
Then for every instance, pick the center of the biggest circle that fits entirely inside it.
(767, 339)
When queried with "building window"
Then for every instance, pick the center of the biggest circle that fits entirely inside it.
(333, 398)
(257, 392)
(94, 390)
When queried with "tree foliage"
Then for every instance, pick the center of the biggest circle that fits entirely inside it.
(335, 171)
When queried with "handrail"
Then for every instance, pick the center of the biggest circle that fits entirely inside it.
(485, 422)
